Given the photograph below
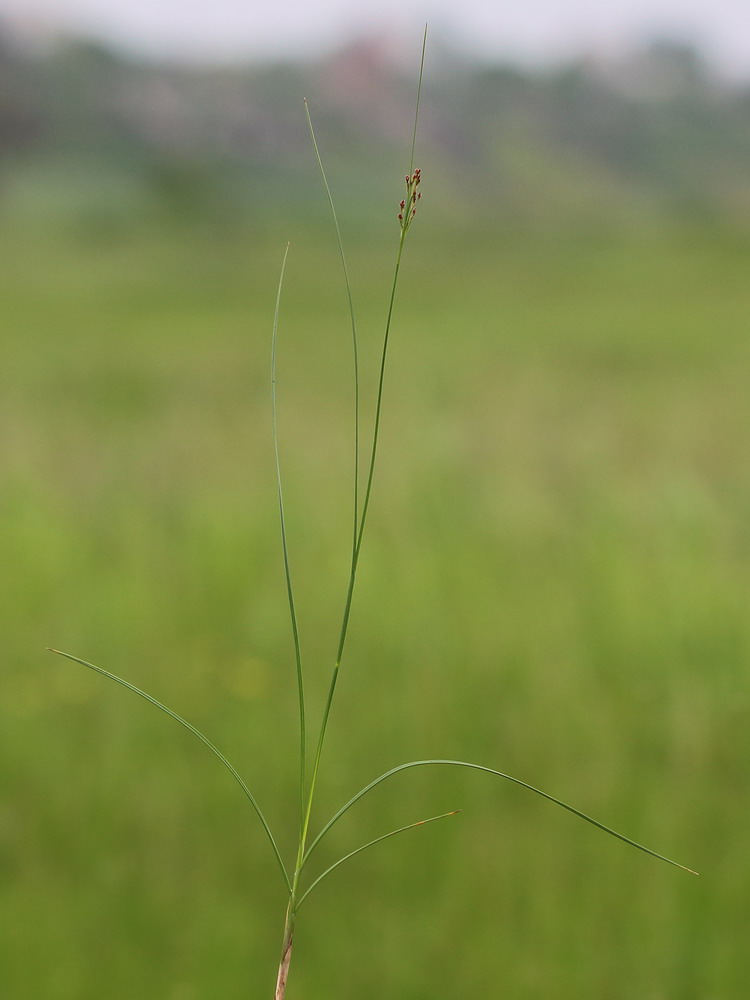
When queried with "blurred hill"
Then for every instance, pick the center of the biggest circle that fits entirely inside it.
(84, 128)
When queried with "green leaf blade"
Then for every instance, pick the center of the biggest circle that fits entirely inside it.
(285, 552)
(501, 774)
(199, 735)
(371, 843)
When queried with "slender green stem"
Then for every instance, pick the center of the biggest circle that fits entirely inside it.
(371, 843)
(199, 735)
(353, 323)
(359, 534)
(285, 549)
(500, 774)
(378, 413)
(419, 94)
(359, 520)
(355, 555)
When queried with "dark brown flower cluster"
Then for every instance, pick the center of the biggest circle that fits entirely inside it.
(408, 207)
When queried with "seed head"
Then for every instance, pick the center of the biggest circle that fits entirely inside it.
(412, 197)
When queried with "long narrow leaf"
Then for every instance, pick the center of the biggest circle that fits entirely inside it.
(197, 733)
(285, 550)
(356, 530)
(371, 843)
(500, 774)
(352, 321)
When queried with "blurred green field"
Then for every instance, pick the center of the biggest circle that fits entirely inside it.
(555, 583)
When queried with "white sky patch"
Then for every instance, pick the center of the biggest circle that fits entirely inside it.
(535, 29)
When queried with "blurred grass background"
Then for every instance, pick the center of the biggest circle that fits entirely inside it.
(555, 581)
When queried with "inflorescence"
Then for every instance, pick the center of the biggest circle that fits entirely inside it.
(408, 207)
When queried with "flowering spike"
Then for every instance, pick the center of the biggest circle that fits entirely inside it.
(412, 197)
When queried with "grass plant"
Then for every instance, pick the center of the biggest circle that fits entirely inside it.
(297, 881)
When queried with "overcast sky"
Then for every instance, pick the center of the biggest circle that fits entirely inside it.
(529, 29)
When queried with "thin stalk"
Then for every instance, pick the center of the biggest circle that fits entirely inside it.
(378, 412)
(355, 554)
(291, 910)
(286, 953)
(357, 547)
(359, 520)
(287, 570)
(199, 735)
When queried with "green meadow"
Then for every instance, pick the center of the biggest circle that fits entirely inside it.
(555, 584)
